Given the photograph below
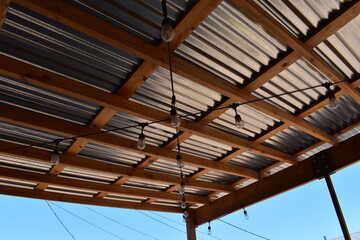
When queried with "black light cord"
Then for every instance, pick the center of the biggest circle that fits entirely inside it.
(60, 220)
(244, 230)
(164, 120)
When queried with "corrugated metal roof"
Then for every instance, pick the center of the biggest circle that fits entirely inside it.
(230, 45)
(341, 51)
(141, 18)
(24, 164)
(15, 183)
(146, 184)
(334, 120)
(170, 167)
(190, 96)
(218, 177)
(40, 100)
(299, 75)
(77, 173)
(42, 41)
(290, 140)
(71, 191)
(111, 155)
(155, 134)
(125, 198)
(255, 122)
(252, 160)
(205, 148)
(300, 17)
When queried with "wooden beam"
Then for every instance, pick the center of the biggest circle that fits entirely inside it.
(264, 18)
(61, 197)
(109, 168)
(103, 31)
(92, 186)
(4, 6)
(343, 155)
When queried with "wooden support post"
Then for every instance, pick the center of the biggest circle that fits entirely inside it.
(337, 207)
(190, 226)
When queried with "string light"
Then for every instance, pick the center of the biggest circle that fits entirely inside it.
(333, 102)
(209, 228)
(239, 123)
(246, 215)
(186, 215)
(174, 117)
(182, 187)
(183, 203)
(167, 32)
(179, 161)
(141, 144)
(55, 156)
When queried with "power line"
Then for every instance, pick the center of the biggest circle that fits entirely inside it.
(92, 224)
(232, 225)
(111, 219)
(60, 220)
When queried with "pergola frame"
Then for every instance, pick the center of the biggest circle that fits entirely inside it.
(342, 154)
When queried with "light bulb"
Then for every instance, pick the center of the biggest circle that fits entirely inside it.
(183, 203)
(175, 119)
(179, 161)
(182, 187)
(333, 102)
(239, 123)
(141, 144)
(167, 32)
(209, 229)
(55, 158)
(246, 216)
(186, 215)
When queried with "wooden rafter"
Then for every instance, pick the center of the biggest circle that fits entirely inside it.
(86, 164)
(4, 6)
(80, 20)
(346, 153)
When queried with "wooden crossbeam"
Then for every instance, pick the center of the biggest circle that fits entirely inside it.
(52, 196)
(108, 168)
(343, 155)
(49, 179)
(103, 31)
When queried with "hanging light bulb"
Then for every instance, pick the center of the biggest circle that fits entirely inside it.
(167, 32)
(239, 123)
(175, 119)
(209, 229)
(333, 102)
(183, 203)
(185, 215)
(141, 144)
(179, 161)
(182, 187)
(246, 216)
(55, 157)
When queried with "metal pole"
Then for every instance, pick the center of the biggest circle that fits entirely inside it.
(337, 207)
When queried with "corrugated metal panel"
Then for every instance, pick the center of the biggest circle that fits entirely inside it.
(255, 122)
(194, 191)
(290, 140)
(230, 45)
(125, 198)
(22, 135)
(141, 18)
(155, 134)
(190, 96)
(334, 120)
(278, 168)
(169, 167)
(15, 183)
(40, 100)
(167, 203)
(205, 148)
(113, 155)
(34, 38)
(24, 164)
(145, 184)
(299, 75)
(218, 177)
(71, 191)
(252, 160)
(77, 173)
(300, 17)
(341, 50)
(246, 183)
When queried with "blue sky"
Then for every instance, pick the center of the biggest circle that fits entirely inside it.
(302, 213)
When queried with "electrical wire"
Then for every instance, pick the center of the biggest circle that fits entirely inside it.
(167, 119)
(232, 225)
(60, 220)
(92, 224)
(111, 219)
